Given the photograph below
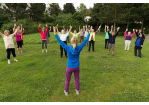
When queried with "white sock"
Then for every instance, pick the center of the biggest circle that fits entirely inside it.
(46, 50)
(8, 61)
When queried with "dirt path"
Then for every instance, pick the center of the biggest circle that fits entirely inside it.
(147, 38)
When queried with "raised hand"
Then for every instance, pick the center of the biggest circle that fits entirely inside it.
(112, 26)
(1, 33)
(46, 25)
(126, 29)
(100, 26)
(50, 26)
(21, 25)
(23, 29)
(57, 25)
(14, 24)
(133, 29)
(107, 27)
(39, 25)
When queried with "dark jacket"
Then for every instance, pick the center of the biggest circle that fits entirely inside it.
(139, 41)
(112, 38)
(138, 33)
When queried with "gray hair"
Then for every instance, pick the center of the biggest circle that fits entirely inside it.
(75, 31)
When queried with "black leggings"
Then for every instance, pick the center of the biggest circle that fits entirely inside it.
(19, 44)
(68, 39)
(139, 51)
(106, 43)
(61, 49)
(91, 42)
(44, 41)
(9, 50)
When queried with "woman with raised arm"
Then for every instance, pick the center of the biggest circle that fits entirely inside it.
(63, 37)
(112, 40)
(81, 34)
(128, 38)
(18, 39)
(107, 36)
(9, 45)
(73, 64)
(22, 37)
(43, 37)
(92, 38)
(86, 33)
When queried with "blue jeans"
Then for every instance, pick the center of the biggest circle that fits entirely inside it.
(87, 42)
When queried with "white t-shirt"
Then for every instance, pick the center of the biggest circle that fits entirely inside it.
(86, 33)
(8, 41)
(63, 37)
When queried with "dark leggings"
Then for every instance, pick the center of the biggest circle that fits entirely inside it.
(19, 44)
(9, 50)
(44, 41)
(61, 49)
(139, 51)
(68, 39)
(106, 43)
(91, 42)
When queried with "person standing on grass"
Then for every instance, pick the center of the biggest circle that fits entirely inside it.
(43, 37)
(92, 38)
(139, 45)
(73, 60)
(22, 37)
(128, 38)
(63, 37)
(18, 39)
(81, 34)
(9, 45)
(86, 33)
(48, 35)
(75, 33)
(112, 40)
(67, 31)
(107, 36)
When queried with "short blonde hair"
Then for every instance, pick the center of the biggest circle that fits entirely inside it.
(6, 31)
(74, 41)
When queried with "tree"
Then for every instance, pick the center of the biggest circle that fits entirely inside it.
(69, 8)
(47, 18)
(37, 11)
(82, 9)
(54, 9)
(15, 10)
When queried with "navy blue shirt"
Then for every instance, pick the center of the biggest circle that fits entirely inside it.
(112, 38)
(128, 37)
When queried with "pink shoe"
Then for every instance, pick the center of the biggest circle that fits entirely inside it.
(22, 52)
(18, 53)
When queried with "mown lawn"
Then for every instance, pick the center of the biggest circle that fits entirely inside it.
(103, 78)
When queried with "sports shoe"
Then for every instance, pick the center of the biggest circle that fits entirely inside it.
(66, 93)
(139, 57)
(21, 52)
(18, 52)
(134, 56)
(8, 61)
(46, 51)
(16, 60)
(42, 51)
(77, 92)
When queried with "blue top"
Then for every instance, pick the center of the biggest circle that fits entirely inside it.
(139, 41)
(73, 55)
(47, 34)
(128, 37)
(112, 38)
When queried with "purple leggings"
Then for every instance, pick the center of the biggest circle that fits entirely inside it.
(68, 77)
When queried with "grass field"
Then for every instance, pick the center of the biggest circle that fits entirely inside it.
(103, 78)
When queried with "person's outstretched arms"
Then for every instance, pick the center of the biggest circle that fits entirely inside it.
(111, 28)
(66, 47)
(84, 42)
(105, 28)
(1, 34)
(70, 29)
(46, 28)
(133, 32)
(14, 27)
(117, 31)
(39, 28)
(108, 30)
(16, 31)
(137, 33)
(21, 27)
(98, 29)
(50, 29)
(125, 32)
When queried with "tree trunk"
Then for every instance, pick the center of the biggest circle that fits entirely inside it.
(142, 25)
(127, 24)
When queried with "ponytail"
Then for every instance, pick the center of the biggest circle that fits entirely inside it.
(74, 46)
(74, 41)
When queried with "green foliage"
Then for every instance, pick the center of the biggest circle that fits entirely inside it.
(69, 8)
(48, 18)
(54, 9)
(82, 9)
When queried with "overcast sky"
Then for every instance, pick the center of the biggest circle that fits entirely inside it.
(88, 5)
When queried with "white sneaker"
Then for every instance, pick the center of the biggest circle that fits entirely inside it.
(77, 92)
(8, 61)
(16, 60)
(46, 51)
(42, 51)
(66, 93)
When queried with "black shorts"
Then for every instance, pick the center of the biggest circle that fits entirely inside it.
(19, 44)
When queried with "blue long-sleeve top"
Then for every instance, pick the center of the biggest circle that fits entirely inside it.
(73, 55)
(112, 38)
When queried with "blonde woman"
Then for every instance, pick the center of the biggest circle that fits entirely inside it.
(73, 60)
(9, 45)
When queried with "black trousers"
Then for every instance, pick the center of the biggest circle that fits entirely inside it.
(19, 44)
(91, 42)
(9, 50)
(106, 43)
(68, 39)
(139, 51)
(61, 49)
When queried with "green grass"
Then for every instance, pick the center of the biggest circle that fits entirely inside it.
(103, 78)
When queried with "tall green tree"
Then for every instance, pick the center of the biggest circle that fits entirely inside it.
(54, 9)
(37, 11)
(82, 9)
(69, 8)
(16, 10)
